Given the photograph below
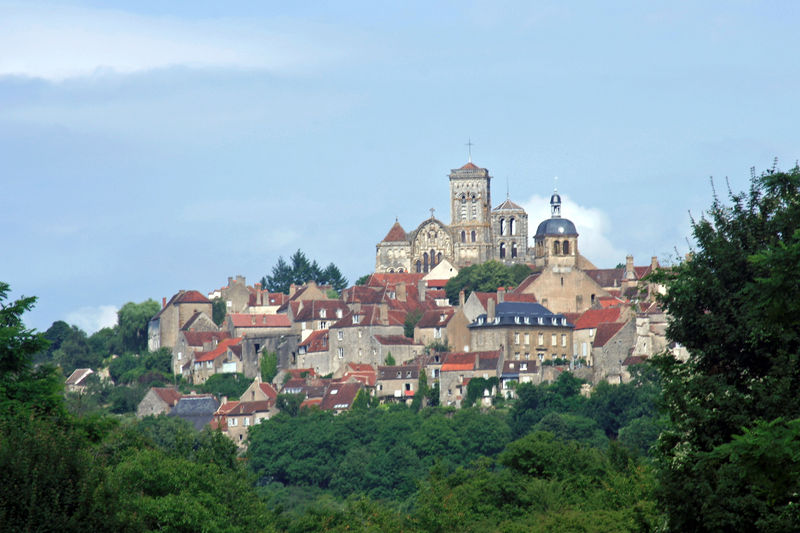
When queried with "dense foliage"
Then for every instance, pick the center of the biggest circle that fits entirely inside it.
(300, 270)
(736, 307)
(485, 277)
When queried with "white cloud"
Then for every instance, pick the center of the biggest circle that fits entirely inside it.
(91, 319)
(593, 225)
(57, 43)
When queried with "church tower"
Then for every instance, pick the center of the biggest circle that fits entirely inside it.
(556, 239)
(470, 214)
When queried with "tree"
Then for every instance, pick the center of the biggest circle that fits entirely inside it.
(132, 320)
(218, 311)
(485, 277)
(363, 280)
(231, 385)
(390, 359)
(289, 403)
(411, 321)
(23, 386)
(300, 270)
(735, 307)
(269, 366)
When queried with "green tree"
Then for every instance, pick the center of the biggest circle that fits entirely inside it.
(485, 277)
(23, 386)
(132, 320)
(218, 310)
(269, 366)
(363, 280)
(734, 306)
(300, 270)
(289, 403)
(390, 359)
(411, 321)
(231, 385)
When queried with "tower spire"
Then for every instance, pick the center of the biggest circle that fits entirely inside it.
(555, 201)
(469, 148)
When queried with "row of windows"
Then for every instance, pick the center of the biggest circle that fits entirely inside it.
(429, 261)
(463, 210)
(473, 236)
(553, 339)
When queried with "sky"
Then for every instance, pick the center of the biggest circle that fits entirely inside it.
(149, 146)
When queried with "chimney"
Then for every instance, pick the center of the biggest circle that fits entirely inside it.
(163, 302)
(400, 292)
(501, 294)
(292, 290)
(653, 263)
(629, 273)
(490, 310)
(461, 298)
(477, 360)
(223, 400)
(422, 286)
(230, 281)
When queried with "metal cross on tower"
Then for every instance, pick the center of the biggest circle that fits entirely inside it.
(469, 145)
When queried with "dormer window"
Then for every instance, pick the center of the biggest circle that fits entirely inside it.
(338, 313)
(442, 317)
(408, 373)
(541, 321)
(563, 321)
(517, 320)
(480, 321)
(323, 313)
(356, 319)
(399, 374)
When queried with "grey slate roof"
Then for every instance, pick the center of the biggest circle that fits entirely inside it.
(521, 313)
(556, 226)
(197, 410)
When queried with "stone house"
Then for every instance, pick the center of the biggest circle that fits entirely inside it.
(76, 382)
(361, 372)
(157, 401)
(191, 342)
(259, 391)
(197, 409)
(226, 358)
(252, 325)
(313, 352)
(586, 329)
(516, 372)
(236, 295)
(523, 331)
(401, 348)
(339, 397)
(162, 330)
(397, 383)
(243, 415)
(350, 339)
(459, 367)
(613, 343)
(432, 326)
(314, 315)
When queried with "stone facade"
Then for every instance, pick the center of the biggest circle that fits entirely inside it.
(476, 233)
(162, 330)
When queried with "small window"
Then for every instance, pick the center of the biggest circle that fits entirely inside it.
(554, 339)
(340, 334)
(541, 339)
(516, 337)
(341, 353)
(563, 339)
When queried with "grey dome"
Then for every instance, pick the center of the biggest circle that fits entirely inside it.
(556, 226)
(555, 199)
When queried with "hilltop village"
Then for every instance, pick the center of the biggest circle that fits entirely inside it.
(398, 332)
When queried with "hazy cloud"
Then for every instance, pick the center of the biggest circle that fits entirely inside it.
(593, 225)
(91, 319)
(60, 42)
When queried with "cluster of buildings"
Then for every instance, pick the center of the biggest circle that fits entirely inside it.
(383, 336)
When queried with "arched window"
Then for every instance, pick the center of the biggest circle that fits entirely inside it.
(438, 258)
(502, 250)
(474, 207)
(425, 262)
(565, 247)
(419, 266)
(556, 248)
(474, 235)
(513, 249)
(463, 207)
(512, 226)
(463, 236)
(502, 226)
(433, 259)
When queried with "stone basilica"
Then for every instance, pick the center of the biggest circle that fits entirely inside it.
(477, 233)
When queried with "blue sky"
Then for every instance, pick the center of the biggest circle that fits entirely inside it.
(148, 147)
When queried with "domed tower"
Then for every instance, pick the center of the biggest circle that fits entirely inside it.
(556, 239)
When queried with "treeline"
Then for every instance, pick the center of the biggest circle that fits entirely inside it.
(553, 453)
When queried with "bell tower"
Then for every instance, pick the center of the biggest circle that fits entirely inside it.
(470, 213)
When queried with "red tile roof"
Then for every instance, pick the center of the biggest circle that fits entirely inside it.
(470, 166)
(297, 373)
(634, 360)
(311, 309)
(466, 360)
(249, 408)
(192, 297)
(364, 295)
(592, 317)
(246, 320)
(394, 340)
(168, 395)
(521, 297)
(340, 396)
(396, 234)
(198, 338)
(436, 317)
(221, 348)
(269, 390)
(370, 315)
(526, 283)
(382, 279)
(316, 342)
(605, 332)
